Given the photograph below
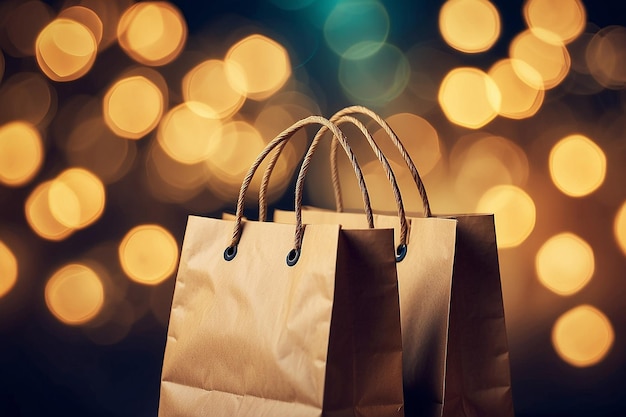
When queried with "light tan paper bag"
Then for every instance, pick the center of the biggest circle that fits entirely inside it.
(455, 351)
(272, 320)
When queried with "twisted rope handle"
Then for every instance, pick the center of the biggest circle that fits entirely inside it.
(280, 141)
(396, 141)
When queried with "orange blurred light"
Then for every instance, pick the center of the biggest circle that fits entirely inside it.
(514, 211)
(208, 83)
(132, 107)
(606, 57)
(469, 97)
(65, 50)
(546, 55)
(74, 294)
(469, 25)
(148, 254)
(566, 18)
(21, 153)
(565, 263)
(76, 198)
(40, 217)
(86, 17)
(619, 228)
(8, 269)
(152, 32)
(583, 336)
(577, 165)
(520, 100)
(187, 132)
(257, 66)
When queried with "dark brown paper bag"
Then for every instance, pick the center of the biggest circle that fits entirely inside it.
(274, 320)
(455, 351)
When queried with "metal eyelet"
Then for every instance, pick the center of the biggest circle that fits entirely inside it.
(293, 256)
(230, 253)
(401, 252)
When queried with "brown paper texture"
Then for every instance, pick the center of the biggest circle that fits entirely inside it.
(255, 337)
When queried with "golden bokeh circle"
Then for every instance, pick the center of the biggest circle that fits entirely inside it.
(469, 25)
(21, 153)
(8, 269)
(577, 165)
(148, 254)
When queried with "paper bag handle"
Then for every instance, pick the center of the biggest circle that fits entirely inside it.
(396, 141)
(280, 140)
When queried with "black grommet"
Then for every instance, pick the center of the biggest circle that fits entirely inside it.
(293, 256)
(401, 252)
(230, 253)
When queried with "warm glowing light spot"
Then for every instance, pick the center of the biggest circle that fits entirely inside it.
(187, 132)
(388, 66)
(577, 165)
(548, 58)
(148, 254)
(74, 294)
(86, 17)
(583, 336)
(208, 83)
(469, 97)
(8, 269)
(65, 50)
(566, 18)
(606, 57)
(152, 32)
(419, 138)
(480, 162)
(565, 263)
(257, 66)
(237, 146)
(76, 198)
(520, 100)
(514, 213)
(132, 107)
(469, 25)
(21, 153)
(619, 228)
(40, 217)
(356, 29)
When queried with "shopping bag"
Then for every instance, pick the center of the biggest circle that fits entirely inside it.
(455, 358)
(277, 320)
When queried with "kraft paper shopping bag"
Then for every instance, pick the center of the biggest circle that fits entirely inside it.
(455, 351)
(278, 320)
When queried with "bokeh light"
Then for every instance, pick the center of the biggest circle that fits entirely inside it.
(148, 254)
(619, 227)
(187, 132)
(26, 21)
(606, 57)
(565, 18)
(565, 263)
(469, 25)
(257, 66)
(40, 217)
(28, 97)
(469, 97)
(548, 58)
(577, 165)
(87, 18)
(152, 32)
(356, 29)
(208, 83)
(388, 66)
(583, 336)
(76, 198)
(520, 100)
(8, 269)
(133, 106)
(65, 50)
(514, 212)
(21, 153)
(74, 294)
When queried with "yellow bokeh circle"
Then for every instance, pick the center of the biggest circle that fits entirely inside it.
(619, 228)
(469, 25)
(21, 153)
(8, 269)
(148, 254)
(583, 336)
(577, 165)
